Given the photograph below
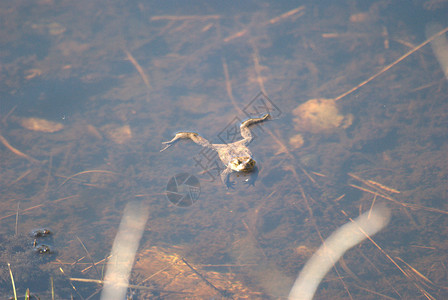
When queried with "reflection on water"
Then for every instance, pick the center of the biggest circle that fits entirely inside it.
(90, 89)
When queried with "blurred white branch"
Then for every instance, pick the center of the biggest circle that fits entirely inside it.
(123, 251)
(344, 238)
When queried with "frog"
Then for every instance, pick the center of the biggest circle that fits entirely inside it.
(40, 235)
(42, 249)
(236, 156)
(40, 232)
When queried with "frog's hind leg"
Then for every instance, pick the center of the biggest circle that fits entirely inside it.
(245, 131)
(187, 135)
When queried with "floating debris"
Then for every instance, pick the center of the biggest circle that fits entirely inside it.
(296, 141)
(42, 125)
(439, 45)
(31, 73)
(118, 134)
(50, 28)
(360, 17)
(318, 115)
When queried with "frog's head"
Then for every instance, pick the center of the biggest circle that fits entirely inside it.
(242, 164)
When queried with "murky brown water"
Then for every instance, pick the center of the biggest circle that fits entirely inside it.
(117, 80)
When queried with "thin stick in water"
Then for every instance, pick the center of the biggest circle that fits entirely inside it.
(12, 280)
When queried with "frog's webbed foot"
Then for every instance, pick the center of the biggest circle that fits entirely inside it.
(178, 136)
(244, 127)
(187, 135)
(167, 145)
(225, 178)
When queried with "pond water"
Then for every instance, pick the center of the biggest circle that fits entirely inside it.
(91, 89)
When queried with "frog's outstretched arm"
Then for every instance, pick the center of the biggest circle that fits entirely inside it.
(244, 127)
(188, 135)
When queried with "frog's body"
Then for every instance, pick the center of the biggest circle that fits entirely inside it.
(235, 156)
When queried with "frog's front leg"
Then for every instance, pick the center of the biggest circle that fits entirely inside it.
(225, 178)
(187, 135)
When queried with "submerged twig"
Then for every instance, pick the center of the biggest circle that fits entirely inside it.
(386, 188)
(183, 18)
(139, 69)
(392, 64)
(428, 283)
(288, 14)
(8, 114)
(52, 287)
(375, 185)
(222, 293)
(425, 293)
(229, 85)
(85, 172)
(409, 205)
(97, 263)
(18, 152)
(132, 286)
(50, 165)
(158, 272)
(17, 219)
(24, 174)
(12, 280)
(39, 205)
(89, 256)
(73, 286)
